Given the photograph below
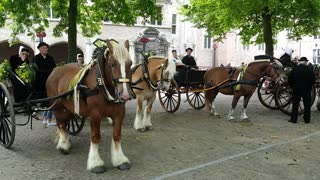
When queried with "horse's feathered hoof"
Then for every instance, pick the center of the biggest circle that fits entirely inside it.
(141, 130)
(64, 151)
(149, 128)
(124, 167)
(98, 169)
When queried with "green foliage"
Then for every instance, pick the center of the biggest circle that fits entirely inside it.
(5, 70)
(248, 16)
(26, 72)
(31, 16)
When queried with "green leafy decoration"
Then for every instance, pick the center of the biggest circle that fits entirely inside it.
(5, 70)
(26, 72)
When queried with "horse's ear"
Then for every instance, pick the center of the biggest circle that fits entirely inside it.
(126, 44)
(109, 46)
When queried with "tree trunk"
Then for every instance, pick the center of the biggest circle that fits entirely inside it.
(72, 31)
(267, 33)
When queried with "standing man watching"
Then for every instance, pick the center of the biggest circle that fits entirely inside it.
(301, 80)
(44, 66)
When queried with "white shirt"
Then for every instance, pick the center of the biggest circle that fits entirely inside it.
(176, 60)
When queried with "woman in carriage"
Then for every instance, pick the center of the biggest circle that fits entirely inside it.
(17, 60)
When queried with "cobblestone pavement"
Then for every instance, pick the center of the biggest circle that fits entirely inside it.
(185, 145)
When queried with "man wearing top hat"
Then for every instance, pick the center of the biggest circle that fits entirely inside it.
(44, 65)
(301, 80)
(188, 59)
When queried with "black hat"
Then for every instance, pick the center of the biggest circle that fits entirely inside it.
(189, 49)
(303, 59)
(42, 44)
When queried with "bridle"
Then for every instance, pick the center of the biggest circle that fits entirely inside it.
(103, 58)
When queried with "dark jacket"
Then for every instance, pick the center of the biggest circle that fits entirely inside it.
(301, 79)
(189, 60)
(44, 66)
(16, 61)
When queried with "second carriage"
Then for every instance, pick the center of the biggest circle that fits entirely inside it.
(278, 95)
(187, 81)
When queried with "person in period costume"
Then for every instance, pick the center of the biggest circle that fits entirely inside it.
(301, 80)
(285, 59)
(20, 92)
(44, 66)
(188, 59)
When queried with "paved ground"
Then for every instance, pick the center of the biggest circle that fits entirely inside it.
(185, 145)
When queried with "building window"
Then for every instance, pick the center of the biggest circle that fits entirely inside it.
(153, 21)
(316, 36)
(174, 23)
(52, 14)
(207, 42)
(246, 47)
(316, 56)
(261, 47)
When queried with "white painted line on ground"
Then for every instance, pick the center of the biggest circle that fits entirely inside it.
(231, 157)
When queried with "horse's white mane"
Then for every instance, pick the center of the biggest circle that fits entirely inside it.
(120, 53)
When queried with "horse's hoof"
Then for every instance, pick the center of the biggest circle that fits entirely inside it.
(217, 115)
(124, 167)
(141, 130)
(98, 169)
(245, 120)
(232, 119)
(64, 151)
(149, 128)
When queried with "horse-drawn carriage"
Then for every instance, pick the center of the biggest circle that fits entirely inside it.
(187, 81)
(101, 91)
(278, 95)
(31, 104)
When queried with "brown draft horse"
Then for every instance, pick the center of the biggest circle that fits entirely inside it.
(160, 74)
(220, 79)
(97, 105)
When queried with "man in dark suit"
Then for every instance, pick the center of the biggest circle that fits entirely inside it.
(301, 80)
(188, 59)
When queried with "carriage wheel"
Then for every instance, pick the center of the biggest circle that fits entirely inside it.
(7, 118)
(196, 99)
(75, 125)
(266, 96)
(170, 100)
(283, 97)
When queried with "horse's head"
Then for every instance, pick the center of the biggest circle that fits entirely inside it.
(274, 70)
(166, 73)
(118, 63)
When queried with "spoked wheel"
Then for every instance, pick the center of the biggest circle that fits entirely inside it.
(283, 97)
(196, 99)
(75, 125)
(266, 95)
(170, 99)
(7, 118)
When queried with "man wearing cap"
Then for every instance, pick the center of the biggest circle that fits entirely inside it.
(301, 80)
(188, 59)
(44, 65)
